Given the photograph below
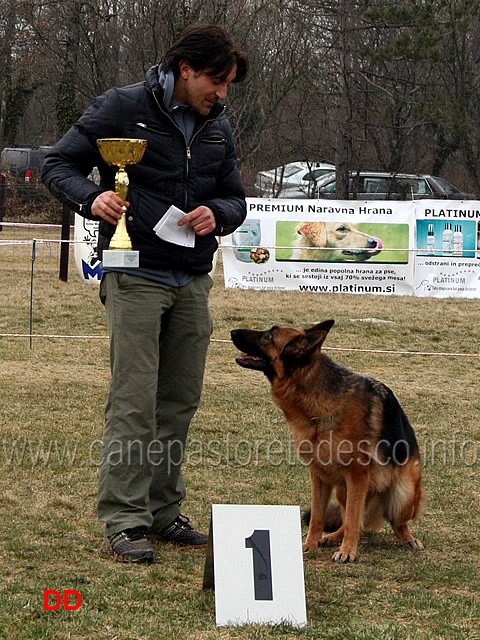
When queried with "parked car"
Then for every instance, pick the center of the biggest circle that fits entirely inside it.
(23, 163)
(22, 188)
(377, 185)
(299, 175)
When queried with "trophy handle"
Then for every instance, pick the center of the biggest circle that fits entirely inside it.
(121, 183)
(121, 240)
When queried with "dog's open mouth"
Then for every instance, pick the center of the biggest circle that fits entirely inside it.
(377, 248)
(252, 355)
(375, 245)
(251, 362)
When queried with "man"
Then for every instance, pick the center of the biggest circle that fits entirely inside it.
(157, 314)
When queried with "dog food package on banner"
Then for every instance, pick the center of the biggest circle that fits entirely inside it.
(248, 235)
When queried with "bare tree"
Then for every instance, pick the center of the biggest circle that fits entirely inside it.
(458, 124)
(16, 82)
(358, 82)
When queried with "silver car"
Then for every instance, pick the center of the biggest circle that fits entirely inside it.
(294, 175)
(378, 185)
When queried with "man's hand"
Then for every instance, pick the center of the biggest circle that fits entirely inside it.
(202, 220)
(109, 206)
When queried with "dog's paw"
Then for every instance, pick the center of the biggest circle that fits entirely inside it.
(344, 558)
(330, 540)
(309, 547)
(415, 544)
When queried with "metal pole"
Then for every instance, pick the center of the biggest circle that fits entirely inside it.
(31, 291)
(3, 189)
(64, 245)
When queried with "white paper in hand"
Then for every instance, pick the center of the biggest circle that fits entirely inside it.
(167, 228)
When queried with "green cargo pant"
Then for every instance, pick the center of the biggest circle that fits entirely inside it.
(159, 337)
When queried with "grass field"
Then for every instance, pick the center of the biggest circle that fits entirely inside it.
(52, 397)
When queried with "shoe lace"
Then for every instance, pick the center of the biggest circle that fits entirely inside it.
(183, 521)
(135, 533)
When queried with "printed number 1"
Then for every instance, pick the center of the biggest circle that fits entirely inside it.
(259, 541)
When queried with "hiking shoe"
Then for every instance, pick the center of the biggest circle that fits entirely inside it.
(181, 533)
(129, 545)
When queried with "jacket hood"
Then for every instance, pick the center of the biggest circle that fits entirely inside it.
(164, 93)
(167, 83)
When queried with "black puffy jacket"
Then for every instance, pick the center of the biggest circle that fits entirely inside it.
(170, 172)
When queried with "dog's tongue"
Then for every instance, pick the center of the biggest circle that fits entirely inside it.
(379, 246)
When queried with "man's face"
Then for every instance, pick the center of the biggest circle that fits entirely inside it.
(200, 90)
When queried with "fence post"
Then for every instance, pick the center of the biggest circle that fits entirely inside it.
(65, 245)
(3, 189)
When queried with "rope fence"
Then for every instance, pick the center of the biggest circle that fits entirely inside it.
(51, 336)
(52, 241)
(221, 246)
(224, 246)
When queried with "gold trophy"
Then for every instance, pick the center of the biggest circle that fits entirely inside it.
(121, 152)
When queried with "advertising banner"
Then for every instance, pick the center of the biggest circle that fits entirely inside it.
(447, 260)
(426, 248)
(323, 246)
(85, 249)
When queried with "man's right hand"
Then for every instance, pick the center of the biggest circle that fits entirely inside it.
(109, 206)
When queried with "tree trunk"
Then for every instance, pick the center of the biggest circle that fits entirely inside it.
(66, 108)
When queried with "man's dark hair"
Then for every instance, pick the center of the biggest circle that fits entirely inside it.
(208, 48)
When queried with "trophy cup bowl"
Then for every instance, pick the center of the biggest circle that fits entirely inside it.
(121, 152)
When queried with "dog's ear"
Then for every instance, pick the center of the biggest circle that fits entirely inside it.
(304, 343)
(314, 232)
(326, 325)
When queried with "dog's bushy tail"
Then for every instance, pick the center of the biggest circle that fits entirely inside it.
(333, 518)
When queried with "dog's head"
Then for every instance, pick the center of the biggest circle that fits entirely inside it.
(339, 240)
(278, 349)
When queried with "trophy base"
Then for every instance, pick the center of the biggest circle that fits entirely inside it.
(118, 258)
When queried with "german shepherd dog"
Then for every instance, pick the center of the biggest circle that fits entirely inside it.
(349, 429)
